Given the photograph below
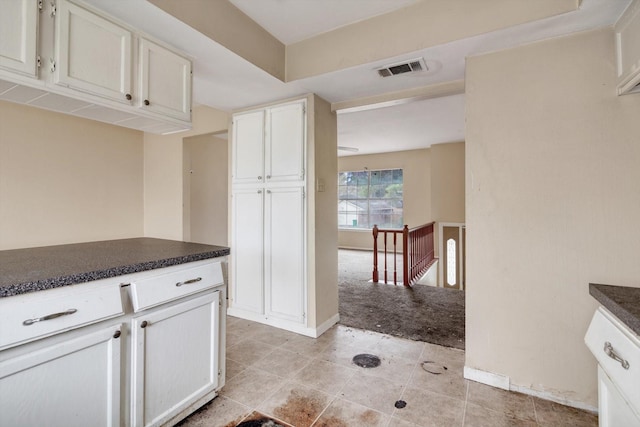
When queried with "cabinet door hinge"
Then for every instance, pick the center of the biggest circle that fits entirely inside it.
(40, 5)
(53, 9)
(53, 64)
(219, 372)
(304, 193)
(38, 61)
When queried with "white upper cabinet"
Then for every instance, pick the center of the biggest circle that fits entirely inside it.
(268, 145)
(628, 49)
(248, 148)
(165, 81)
(284, 148)
(18, 36)
(92, 53)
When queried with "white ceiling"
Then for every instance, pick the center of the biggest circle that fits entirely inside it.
(226, 81)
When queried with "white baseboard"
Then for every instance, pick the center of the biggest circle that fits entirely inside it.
(504, 382)
(324, 327)
(290, 326)
(554, 398)
(488, 378)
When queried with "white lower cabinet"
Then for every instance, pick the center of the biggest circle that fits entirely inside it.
(268, 254)
(174, 358)
(72, 382)
(145, 349)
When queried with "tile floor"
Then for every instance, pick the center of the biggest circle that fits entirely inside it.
(299, 381)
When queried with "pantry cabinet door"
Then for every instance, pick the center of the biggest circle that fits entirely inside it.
(247, 250)
(165, 81)
(285, 254)
(174, 358)
(70, 383)
(93, 54)
(18, 33)
(247, 165)
(285, 140)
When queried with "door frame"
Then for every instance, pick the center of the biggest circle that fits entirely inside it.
(461, 226)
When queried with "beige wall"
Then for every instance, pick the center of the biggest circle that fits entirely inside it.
(164, 189)
(416, 165)
(205, 183)
(552, 203)
(65, 179)
(324, 221)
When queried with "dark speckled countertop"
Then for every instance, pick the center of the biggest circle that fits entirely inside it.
(622, 301)
(36, 269)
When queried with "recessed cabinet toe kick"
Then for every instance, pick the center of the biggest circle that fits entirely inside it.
(143, 349)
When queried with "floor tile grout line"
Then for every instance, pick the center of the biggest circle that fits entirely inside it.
(466, 400)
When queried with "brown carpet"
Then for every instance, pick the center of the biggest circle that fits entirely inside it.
(421, 313)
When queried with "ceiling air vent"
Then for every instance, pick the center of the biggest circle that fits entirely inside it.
(410, 66)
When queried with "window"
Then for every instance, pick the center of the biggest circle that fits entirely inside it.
(367, 198)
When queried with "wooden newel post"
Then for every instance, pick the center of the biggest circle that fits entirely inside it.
(375, 253)
(405, 256)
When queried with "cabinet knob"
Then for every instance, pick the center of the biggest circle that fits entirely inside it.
(268, 176)
(260, 177)
(146, 102)
(117, 334)
(144, 324)
(128, 96)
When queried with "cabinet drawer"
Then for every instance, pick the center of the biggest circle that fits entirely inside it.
(174, 283)
(26, 317)
(605, 328)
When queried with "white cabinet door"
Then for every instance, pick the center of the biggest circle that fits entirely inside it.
(92, 53)
(284, 148)
(18, 36)
(247, 164)
(284, 253)
(613, 410)
(247, 250)
(165, 81)
(174, 358)
(72, 383)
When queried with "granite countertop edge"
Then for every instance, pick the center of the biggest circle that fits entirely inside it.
(106, 273)
(621, 301)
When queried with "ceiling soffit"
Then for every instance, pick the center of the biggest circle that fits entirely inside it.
(413, 28)
(227, 25)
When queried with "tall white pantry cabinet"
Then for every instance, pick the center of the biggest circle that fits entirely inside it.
(283, 244)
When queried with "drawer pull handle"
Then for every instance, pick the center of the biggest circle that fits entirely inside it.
(608, 349)
(29, 322)
(188, 282)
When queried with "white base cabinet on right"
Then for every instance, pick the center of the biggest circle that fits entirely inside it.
(617, 350)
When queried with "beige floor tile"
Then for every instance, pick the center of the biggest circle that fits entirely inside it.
(394, 369)
(342, 335)
(233, 339)
(389, 346)
(251, 386)
(249, 351)
(477, 416)
(512, 404)
(397, 422)
(340, 354)
(274, 336)
(428, 409)
(371, 391)
(296, 404)
(220, 412)
(325, 376)
(305, 345)
(247, 328)
(553, 414)
(342, 413)
(283, 363)
(233, 368)
(433, 377)
(452, 358)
